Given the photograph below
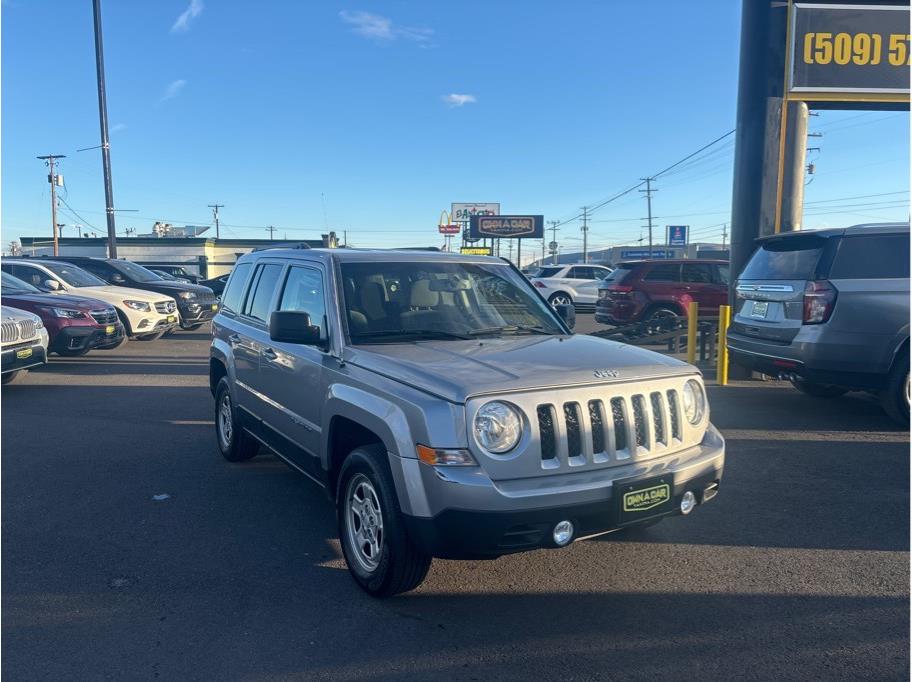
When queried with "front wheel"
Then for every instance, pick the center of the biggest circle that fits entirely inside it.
(10, 377)
(818, 390)
(380, 556)
(235, 444)
(560, 298)
(895, 397)
(73, 352)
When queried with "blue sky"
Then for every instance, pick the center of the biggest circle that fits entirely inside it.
(372, 117)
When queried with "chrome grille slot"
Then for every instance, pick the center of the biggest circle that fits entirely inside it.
(546, 432)
(619, 417)
(673, 414)
(572, 420)
(658, 418)
(10, 332)
(26, 329)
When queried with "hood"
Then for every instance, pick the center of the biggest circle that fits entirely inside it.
(55, 300)
(111, 291)
(173, 289)
(17, 315)
(455, 370)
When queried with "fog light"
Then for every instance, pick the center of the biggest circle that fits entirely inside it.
(688, 502)
(563, 533)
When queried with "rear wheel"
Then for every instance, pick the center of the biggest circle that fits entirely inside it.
(560, 298)
(818, 390)
(11, 376)
(380, 556)
(660, 320)
(235, 444)
(895, 397)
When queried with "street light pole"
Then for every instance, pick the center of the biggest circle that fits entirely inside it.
(103, 119)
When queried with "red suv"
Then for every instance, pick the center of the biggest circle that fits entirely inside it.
(647, 290)
(75, 324)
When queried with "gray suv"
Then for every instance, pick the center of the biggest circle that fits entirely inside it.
(448, 410)
(829, 309)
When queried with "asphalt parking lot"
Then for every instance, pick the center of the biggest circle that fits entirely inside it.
(131, 550)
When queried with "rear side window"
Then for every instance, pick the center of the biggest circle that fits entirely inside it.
(787, 258)
(664, 272)
(618, 275)
(266, 280)
(882, 256)
(548, 272)
(231, 297)
(698, 273)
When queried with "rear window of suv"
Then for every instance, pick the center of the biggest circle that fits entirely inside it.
(878, 256)
(786, 258)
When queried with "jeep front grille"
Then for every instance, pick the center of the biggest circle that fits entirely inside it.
(617, 429)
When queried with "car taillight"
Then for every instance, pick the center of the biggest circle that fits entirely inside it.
(619, 290)
(539, 284)
(819, 300)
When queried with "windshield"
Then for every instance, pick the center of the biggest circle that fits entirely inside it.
(73, 276)
(390, 301)
(787, 258)
(14, 285)
(135, 272)
(548, 272)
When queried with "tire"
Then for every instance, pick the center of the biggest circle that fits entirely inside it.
(818, 390)
(150, 337)
(73, 353)
(560, 298)
(384, 561)
(660, 319)
(11, 376)
(895, 397)
(235, 444)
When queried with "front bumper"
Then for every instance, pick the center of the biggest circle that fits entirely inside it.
(22, 356)
(196, 313)
(486, 519)
(77, 338)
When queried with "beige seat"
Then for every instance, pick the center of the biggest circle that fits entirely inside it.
(422, 313)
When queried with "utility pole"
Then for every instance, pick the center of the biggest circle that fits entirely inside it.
(52, 178)
(724, 233)
(553, 224)
(585, 229)
(215, 208)
(103, 121)
(271, 230)
(648, 191)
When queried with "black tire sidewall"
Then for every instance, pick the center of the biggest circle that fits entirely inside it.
(893, 398)
(242, 447)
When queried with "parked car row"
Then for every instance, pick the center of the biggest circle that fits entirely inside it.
(81, 304)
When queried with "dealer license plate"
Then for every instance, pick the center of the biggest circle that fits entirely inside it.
(215, 306)
(172, 318)
(24, 353)
(760, 308)
(110, 329)
(640, 499)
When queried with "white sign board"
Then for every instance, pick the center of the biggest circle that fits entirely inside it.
(461, 213)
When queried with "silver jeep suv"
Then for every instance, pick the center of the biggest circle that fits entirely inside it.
(448, 409)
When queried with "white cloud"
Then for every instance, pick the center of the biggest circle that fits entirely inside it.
(383, 29)
(182, 23)
(173, 90)
(117, 127)
(456, 100)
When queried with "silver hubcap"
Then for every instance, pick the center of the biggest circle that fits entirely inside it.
(906, 390)
(560, 300)
(224, 420)
(364, 522)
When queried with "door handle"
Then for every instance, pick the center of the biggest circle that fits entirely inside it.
(269, 354)
(234, 339)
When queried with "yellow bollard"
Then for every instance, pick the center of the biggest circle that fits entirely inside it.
(722, 362)
(692, 309)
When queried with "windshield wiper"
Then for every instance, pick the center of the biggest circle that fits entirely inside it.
(422, 333)
(511, 328)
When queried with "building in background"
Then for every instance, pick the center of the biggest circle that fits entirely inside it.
(617, 254)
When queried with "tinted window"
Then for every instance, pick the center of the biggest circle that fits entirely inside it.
(14, 285)
(872, 257)
(231, 297)
(786, 258)
(74, 276)
(135, 272)
(266, 280)
(664, 272)
(618, 275)
(722, 274)
(600, 273)
(97, 269)
(549, 272)
(27, 274)
(304, 292)
(698, 273)
(581, 272)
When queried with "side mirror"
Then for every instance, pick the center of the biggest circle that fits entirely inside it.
(117, 278)
(292, 326)
(567, 313)
(52, 284)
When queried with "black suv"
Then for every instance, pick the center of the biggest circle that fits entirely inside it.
(196, 304)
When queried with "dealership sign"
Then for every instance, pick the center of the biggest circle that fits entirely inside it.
(462, 213)
(476, 250)
(677, 235)
(849, 51)
(507, 226)
(645, 253)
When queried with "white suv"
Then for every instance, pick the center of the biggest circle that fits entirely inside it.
(145, 315)
(24, 342)
(570, 284)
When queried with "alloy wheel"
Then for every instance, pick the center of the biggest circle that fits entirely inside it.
(225, 421)
(364, 522)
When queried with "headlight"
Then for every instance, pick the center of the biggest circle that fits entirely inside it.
(498, 427)
(694, 401)
(39, 323)
(187, 295)
(138, 305)
(66, 313)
